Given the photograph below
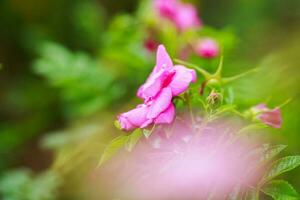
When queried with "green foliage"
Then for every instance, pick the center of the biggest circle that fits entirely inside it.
(112, 148)
(23, 185)
(123, 141)
(133, 139)
(85, 85)
(125, 52)
(147, 133)
(89, 84)
(280, 190)
(281, 166)
(271, 152)
(87, 23)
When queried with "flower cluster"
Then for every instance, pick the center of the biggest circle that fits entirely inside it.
(165, 82)
(183, 15)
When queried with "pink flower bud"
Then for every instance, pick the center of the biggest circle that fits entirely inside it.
(150, 44)
(270, 117)
(207, 48)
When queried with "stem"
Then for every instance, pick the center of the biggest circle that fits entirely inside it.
(238, 113)
(285, 103)
(220, 67)
(206, 74)
(188, 101)
(233, 78)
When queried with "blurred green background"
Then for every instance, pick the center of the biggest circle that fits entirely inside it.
(95, 48)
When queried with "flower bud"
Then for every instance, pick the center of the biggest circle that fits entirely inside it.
(207, 48)
(214, 98)
(270, 117)
(150, 44)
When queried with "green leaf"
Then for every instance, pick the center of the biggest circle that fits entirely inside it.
(280, 190)
(23, 184)
(252, 194)
(85, 85)
(112, 148)
(281, 166)
(147, 133)
(117, 124)
(271, 152)
(133, 138)
(266, 153)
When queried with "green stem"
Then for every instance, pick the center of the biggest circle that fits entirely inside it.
(285, 103)
(233, 78)
(206, 74)
(220, 68)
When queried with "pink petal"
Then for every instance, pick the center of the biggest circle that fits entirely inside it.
(166, 8)
(153, 85)
(163, 59)
(160, 103)
(167, 116)
(137, 116)
(182, 79)
(187, 17)
(272, 118)
(261, 107)
(125, 123)
(161, 71)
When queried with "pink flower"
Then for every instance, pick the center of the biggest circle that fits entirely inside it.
(270, 117)
(183, 15)
(166, 8)
(187, 17)
(165, 82)
(207, 48)
(164, 74)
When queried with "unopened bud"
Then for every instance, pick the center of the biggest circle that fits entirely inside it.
(214, 98)
(207, 48)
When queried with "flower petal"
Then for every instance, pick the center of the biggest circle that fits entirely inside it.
(272, 118)
(137, 116)
(167, 116)
(182, 79)
(261, 107)
(125, 123)
(160, 103)
(163, 59)
(166, 8)
(187, 17)
(154, 83)
(152, 86)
